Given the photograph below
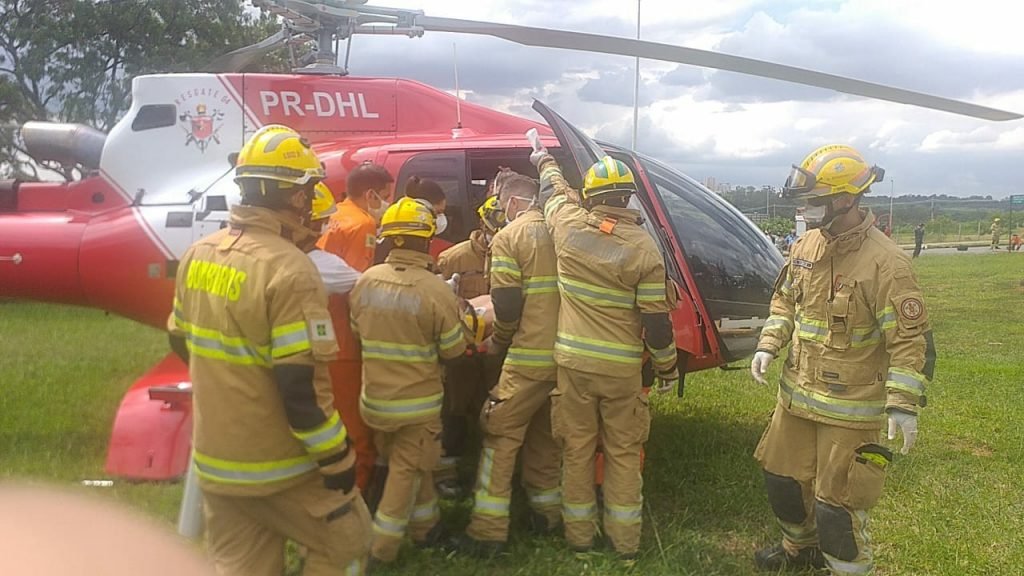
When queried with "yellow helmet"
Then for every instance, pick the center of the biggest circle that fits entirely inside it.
(492, 215)
(996, 220)
(323, 202)
(830, 170)
(608, 176)
(278, 153)
(407, 217)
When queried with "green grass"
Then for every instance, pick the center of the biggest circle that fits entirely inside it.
(954, 506)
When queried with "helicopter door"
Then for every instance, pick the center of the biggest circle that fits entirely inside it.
(688, 320)
(211, 214)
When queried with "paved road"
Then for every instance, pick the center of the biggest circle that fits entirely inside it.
(974, 250)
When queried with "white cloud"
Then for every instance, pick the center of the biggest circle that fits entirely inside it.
(734, 127)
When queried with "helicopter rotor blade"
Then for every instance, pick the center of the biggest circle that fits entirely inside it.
(682, 55)
(238, 60)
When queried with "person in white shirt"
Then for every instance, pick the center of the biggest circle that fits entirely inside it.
(338, 276)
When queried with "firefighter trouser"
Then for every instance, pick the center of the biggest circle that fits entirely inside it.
(346, 383)
(409, 501)
(585, 406)
(246, 535)
(820, 490)
(521, 421)
(465, 389)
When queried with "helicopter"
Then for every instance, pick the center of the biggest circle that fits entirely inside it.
(162, 179)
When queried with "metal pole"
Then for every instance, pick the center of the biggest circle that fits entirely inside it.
(458, 97)
(768, 202)
(636, 81)
(190, 515)
(892, 197)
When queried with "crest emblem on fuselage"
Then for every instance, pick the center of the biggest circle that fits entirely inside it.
(202, 126)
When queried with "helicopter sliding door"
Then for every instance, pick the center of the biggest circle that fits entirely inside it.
(693, 333)
(449, 170)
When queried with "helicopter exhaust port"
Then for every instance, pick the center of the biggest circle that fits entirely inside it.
(67, 144)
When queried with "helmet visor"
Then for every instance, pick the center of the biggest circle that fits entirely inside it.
(799, 183)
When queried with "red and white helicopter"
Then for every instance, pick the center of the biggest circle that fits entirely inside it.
(161, 179)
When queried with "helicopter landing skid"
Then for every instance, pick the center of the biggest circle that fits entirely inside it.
(152, 435)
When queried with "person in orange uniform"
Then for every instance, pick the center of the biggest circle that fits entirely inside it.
(352, 235)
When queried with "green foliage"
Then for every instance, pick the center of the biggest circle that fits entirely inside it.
(777, 226)
(953, 506)
(73, 60)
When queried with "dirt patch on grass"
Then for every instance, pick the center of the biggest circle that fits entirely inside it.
(974, 448)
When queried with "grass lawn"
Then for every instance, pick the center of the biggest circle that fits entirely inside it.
(954, 506)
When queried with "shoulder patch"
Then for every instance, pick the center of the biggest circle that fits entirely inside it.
(371, 240)
(911, 308)
(801, 263)
(607, 225)
(321, 330)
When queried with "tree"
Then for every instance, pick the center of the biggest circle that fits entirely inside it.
(73, 60)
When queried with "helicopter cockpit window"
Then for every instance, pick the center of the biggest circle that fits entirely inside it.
(153, 116)
(448, 169)
(733, 264)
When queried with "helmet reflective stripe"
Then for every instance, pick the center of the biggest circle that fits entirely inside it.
(830, 170)
(608, 176)
(278, 153)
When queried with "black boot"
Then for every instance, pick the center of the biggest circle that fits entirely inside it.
(375, 490)
(775, 558)
(540, 526)
(482, 549)
(437, 537)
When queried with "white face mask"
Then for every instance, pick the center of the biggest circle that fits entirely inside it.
(509, 215)
(815, 215)
(378, 212)
(441, 223)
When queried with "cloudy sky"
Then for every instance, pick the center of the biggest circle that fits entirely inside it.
(747, 130)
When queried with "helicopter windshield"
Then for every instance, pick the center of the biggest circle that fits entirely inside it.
(732, 262)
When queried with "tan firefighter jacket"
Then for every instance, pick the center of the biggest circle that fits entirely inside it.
(407, 319)
(852, 310)
(468, 259)
(523, 257)
(609, 273)
(246, 300)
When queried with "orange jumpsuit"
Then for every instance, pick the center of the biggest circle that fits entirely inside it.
(352, 235)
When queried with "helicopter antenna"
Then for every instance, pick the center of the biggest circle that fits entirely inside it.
(348, 51)
(636, 81)
(458, 98)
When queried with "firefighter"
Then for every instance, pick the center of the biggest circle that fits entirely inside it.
(517, 413)
(407, 319)
(468, 258)
(997, 231)
(250, 317)
(465, 381)
(338, 277)
(352, 235)
(850, 307)
(612, 284)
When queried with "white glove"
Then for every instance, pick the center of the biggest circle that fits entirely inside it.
(539, 151)
(907, 423)
(759, 365)
(453, 282)
(664, 385)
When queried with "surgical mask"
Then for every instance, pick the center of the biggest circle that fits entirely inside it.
(823, 216)
(378, 212)
(441, 223)
(509, 215)
(814, 216)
